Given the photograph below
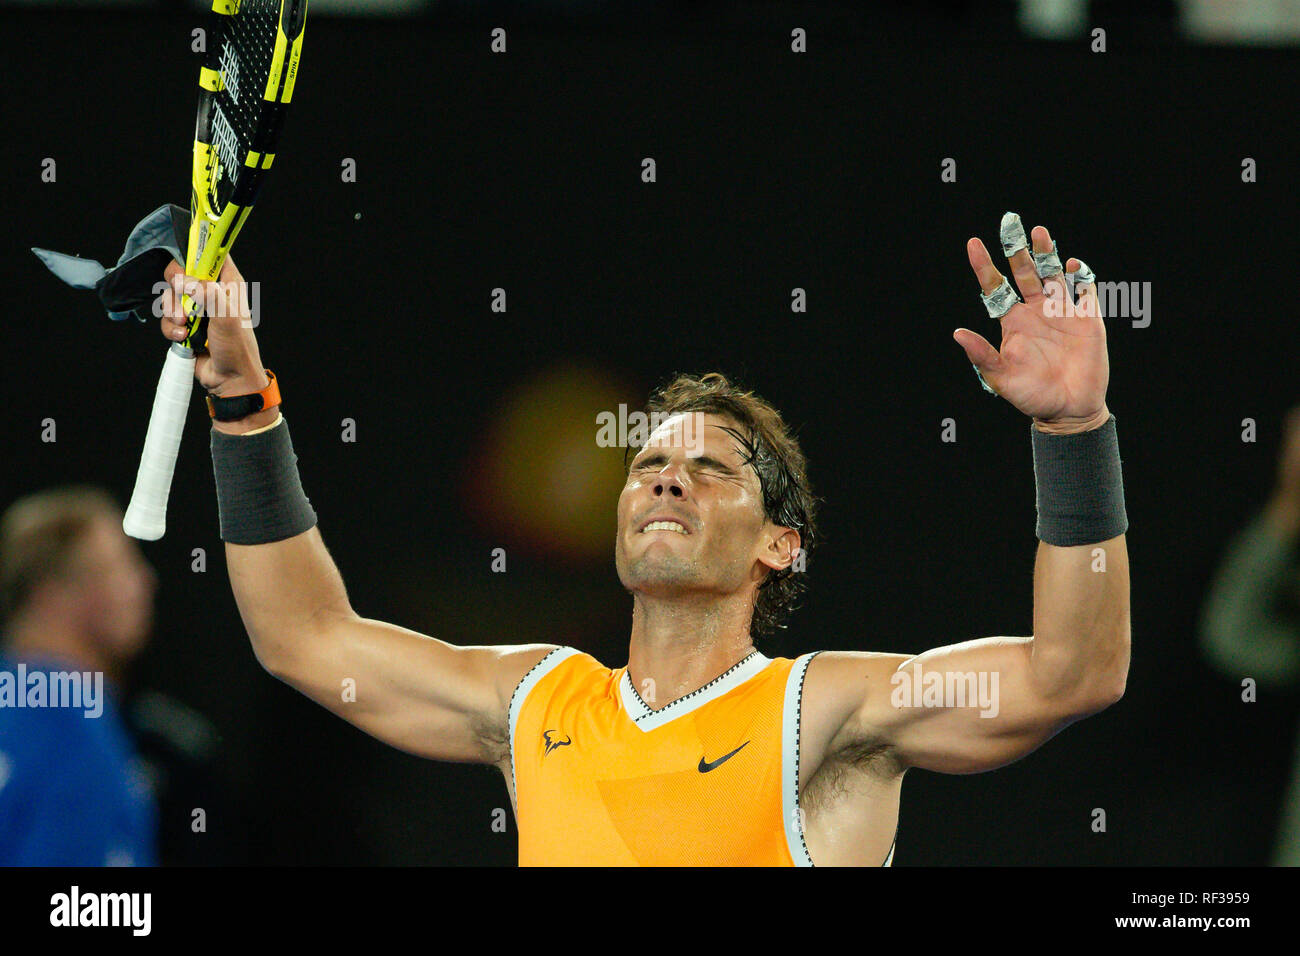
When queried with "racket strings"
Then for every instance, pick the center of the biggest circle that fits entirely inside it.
(248, 49)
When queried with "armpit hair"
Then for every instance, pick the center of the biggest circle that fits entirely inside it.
(838, 769)
(495, 737)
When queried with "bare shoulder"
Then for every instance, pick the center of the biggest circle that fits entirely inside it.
(837, 688)
(508, 666)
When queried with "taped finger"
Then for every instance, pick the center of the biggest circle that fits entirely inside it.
(1048, 264)
(1001, 300)
(1081, 281)
(1012, 234)
(1083, 284)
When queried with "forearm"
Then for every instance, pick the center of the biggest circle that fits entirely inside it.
(1081, 574)
(285, 583)
(1081, 620)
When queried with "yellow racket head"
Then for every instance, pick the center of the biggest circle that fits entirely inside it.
(245, 83)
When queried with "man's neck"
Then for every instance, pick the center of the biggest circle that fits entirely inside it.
(678, 647)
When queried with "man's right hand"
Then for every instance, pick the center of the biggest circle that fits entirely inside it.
(232, 363)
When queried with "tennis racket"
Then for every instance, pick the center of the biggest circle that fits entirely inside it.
(245, 84)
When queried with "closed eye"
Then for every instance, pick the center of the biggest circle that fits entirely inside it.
(714, 465)
(658, 460)
(650, 461)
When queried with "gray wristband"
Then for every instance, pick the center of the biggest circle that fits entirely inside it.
(1080, 486)
(259, 495)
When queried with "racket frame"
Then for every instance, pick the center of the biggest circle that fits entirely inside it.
(214, 226)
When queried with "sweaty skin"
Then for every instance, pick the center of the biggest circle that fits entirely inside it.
(693, 595)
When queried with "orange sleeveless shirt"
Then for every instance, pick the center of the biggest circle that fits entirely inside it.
(710, 779)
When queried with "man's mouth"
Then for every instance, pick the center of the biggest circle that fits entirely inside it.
(665, 525)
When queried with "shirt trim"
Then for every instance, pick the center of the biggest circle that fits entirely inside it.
(791, 718)
(647, 719)
(522, 690)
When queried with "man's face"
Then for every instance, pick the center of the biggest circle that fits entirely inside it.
(691, 474)
(113, 588)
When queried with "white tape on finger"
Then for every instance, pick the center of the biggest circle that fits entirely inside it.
(1012, 234)
(1001, 300)
(1048, 264)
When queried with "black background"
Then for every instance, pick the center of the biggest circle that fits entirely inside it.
(775, 171)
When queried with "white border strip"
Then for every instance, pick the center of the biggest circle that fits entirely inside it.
(648, 719)
(540, 670)
(790, 810)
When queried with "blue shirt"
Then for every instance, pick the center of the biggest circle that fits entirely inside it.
(71, 793)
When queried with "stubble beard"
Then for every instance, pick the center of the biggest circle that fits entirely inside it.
(660, 573)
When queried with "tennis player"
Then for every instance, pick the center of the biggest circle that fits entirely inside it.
(702, 750)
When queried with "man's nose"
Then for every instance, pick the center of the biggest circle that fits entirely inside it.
(669, 484)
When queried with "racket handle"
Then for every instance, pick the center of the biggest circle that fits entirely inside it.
(146, 515)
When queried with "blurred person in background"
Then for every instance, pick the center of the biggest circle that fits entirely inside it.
(87, 784)
(1250, 624)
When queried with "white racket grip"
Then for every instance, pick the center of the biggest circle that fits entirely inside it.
(146, 515)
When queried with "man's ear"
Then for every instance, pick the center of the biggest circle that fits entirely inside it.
(782, 548)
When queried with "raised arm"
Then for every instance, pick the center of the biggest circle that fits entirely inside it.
(417, 693)
(978, 705)
(414, 692)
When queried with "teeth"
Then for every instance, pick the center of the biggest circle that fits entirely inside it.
(664, 526)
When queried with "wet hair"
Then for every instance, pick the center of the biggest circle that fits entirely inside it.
(770, 448)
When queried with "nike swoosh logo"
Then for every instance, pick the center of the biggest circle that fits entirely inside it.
(705, 766)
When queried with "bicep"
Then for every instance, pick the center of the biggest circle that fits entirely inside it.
(414, 692)
(963, 708)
